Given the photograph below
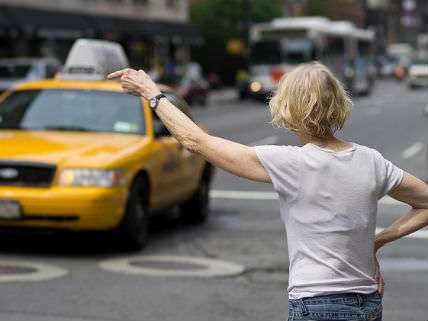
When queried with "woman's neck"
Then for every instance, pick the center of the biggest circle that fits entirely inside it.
(330, 142)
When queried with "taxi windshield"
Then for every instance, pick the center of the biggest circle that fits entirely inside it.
(72, 110)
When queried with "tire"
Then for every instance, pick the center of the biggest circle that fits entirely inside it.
(196, 209)
(133, 230)
(190, 101)
(203, 100)
(242, 95)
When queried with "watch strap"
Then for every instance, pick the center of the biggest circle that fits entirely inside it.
(155, 100)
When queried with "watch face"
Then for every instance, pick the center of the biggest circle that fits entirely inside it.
(152, 103)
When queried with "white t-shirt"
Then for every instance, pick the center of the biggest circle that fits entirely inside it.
(328, 203)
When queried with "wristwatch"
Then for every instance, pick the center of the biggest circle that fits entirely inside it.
(154, 102)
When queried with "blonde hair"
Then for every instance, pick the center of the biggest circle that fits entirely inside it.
(310, 100)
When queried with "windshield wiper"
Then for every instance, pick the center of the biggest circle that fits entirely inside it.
(65, 128)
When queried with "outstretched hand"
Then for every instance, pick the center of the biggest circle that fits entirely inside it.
(135, 82)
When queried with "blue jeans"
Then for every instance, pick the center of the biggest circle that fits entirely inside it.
(337, 307)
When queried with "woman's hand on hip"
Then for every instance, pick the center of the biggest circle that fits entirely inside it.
(378, 276)
(136, 83)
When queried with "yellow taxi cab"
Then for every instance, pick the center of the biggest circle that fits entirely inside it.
(82, 155)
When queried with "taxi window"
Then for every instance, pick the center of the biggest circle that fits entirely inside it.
(72, 110)
(14, 71)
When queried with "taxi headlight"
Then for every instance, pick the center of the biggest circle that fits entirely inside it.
(91, 177)
(255, 86)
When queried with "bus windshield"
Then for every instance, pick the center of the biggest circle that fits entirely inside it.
(289, 51)
(297, 51)
(266, 52)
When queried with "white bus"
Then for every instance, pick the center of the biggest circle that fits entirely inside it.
(280, 45)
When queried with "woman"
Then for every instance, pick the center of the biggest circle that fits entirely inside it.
(328, 191)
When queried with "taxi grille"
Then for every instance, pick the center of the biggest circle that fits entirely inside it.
(26, 174)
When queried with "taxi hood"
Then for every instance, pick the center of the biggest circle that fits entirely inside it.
(68, 149)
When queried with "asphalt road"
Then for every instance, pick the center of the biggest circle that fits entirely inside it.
(244, 228)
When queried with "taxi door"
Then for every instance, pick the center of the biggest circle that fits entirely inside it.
(190, 170)
(167, 165)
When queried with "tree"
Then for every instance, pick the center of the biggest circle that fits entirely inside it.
(221, 20)
(318, 8)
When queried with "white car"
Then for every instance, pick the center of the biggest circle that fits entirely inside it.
(16, 70)
(418, 73)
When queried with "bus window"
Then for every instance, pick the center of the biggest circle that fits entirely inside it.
(364, 48)
(336, 46)
(336, 56)
(266, 52)
(297, 51)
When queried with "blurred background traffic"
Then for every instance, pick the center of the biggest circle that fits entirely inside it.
(78, 155)
(201, 45)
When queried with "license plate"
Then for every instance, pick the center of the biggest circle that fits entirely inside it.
(10, 209)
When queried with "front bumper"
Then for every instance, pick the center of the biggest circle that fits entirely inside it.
(72, 208)
(263, 93)
(420, 81)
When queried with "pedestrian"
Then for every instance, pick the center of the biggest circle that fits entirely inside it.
(328, 191)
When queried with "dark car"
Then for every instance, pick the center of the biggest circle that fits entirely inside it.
(191, 85)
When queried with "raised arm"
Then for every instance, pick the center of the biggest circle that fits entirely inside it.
(414, 192)
(238, 159)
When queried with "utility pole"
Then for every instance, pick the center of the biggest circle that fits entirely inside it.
(246, 22)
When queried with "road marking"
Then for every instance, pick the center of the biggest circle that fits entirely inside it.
(412, 150)
(266, 141)
(421, 234)
(243, 195)
(19, 271)
(171, 265)
(268, 196)
(388, 200)
(403, 264)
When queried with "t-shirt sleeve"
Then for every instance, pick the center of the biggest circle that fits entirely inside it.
(389, 175)
(282, 165)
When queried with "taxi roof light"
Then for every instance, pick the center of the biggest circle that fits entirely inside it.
(93, 59)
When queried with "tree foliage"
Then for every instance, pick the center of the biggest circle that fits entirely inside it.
(222, 20)
(317, 8)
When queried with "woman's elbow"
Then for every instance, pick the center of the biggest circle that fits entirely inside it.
(192, 143)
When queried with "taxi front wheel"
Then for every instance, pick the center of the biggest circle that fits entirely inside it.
(133, 230)
(196, 209)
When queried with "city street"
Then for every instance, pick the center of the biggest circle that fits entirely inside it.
(244, 228)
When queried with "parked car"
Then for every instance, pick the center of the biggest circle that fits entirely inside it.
(16, 70)
(82, 155)
(401, 53)
(418, 73)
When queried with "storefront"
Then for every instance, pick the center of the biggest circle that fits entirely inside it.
(36, 32)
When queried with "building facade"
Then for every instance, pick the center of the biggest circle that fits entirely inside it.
(400, 20)
(393, 20)
(350, 10)
(152, 31)
(165, 10)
